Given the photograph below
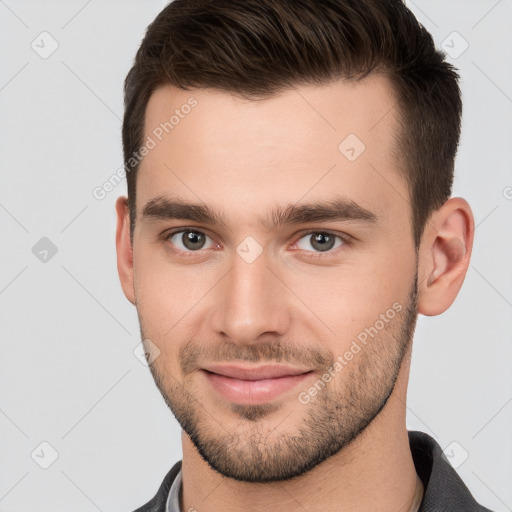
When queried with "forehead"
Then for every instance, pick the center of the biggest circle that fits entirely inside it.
(307, 142)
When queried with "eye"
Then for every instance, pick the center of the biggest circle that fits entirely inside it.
(187, 240)
(320, 241)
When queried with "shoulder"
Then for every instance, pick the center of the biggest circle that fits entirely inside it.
(444, 489)
(158, 503)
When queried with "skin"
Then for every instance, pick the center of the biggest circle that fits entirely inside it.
(347, 449)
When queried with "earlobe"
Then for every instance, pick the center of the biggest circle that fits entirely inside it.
(444, 256)
(124, 249)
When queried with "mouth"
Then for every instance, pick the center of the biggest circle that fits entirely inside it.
(253, 385)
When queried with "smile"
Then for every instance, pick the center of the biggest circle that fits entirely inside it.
(253, 391)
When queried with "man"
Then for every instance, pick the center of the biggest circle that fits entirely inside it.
(307, 149)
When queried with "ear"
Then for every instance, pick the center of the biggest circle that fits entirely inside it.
(444, 255)
(124, 249)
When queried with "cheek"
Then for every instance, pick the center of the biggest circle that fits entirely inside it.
(159, 294)
(345, 299)
(160, 285)
(170, 299)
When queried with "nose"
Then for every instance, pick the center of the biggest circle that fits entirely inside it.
(250, 301)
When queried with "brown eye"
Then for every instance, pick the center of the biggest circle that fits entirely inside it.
(188, 240)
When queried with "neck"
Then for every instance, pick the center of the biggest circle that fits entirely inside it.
(375, 472)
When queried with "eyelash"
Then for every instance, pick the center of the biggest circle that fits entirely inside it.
(345, 239)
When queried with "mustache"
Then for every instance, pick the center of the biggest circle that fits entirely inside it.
(196, 354)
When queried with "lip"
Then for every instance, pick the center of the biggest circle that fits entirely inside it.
(258, 386)
(269, 371)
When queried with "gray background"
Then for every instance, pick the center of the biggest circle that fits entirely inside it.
(68, 374)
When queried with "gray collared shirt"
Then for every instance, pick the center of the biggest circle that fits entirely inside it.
(173, 500)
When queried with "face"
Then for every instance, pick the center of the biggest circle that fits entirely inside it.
(275, 232)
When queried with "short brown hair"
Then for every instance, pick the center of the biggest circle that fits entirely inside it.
(255, 48)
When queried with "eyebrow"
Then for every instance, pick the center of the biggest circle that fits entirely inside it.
(335, 209)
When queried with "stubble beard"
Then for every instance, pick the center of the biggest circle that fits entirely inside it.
(262, 443)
